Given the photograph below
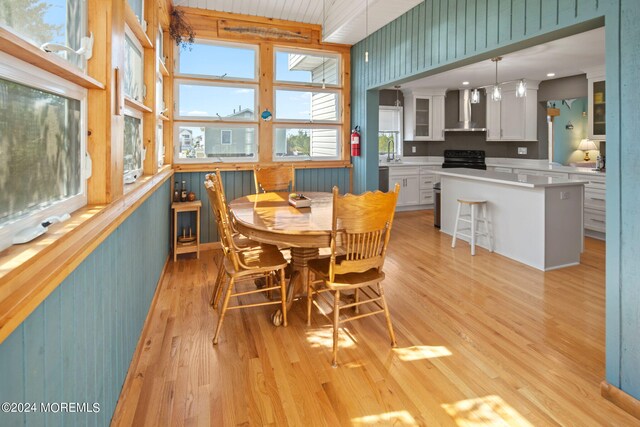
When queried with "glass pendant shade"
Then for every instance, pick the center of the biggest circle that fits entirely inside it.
(496, 93)
(366, 56)
(521, 89)
(475, 96)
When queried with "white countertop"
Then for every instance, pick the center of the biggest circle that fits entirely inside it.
(520, 180)
(533, 164)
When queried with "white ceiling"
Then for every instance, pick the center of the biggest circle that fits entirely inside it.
(565, 57)
(345, 19)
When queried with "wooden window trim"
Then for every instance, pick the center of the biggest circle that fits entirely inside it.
(31, 272)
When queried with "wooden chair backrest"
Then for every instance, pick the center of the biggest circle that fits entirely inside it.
(362, 223)
(274, 178)
(213, 184)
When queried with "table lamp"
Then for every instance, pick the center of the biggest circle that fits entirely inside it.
(586, 145)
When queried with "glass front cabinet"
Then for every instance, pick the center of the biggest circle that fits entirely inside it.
(597, 123)
(424, 115)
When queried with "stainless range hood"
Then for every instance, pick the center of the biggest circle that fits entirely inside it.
(465, 124)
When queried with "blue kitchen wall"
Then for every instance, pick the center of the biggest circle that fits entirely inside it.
(78, 344)
(566, 141)
(438, 35)
(240, 183)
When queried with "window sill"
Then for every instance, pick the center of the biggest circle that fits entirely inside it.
(30, 272)
(136, 27)
(15, 46)
(136, 105)
(208, 167)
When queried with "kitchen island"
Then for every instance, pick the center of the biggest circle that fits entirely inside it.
(535, 220)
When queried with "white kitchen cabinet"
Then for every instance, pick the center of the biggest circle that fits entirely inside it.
(594, 204)
(409, 180)
(424, 115)
(596, 115)
(513, 118)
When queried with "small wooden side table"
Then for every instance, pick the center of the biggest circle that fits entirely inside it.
(187, 248)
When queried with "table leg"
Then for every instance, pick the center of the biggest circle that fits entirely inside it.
(300, 258)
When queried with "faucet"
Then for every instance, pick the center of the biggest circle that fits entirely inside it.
(390, 155)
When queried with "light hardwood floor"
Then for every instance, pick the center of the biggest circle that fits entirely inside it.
(481, 341)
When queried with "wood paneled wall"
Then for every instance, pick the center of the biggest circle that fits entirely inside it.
(442, 34)
(240, 183)
(78, 344)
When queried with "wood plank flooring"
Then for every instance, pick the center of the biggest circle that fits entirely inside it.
(481, 341)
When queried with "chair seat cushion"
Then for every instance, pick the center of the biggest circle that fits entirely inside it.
(320, 267)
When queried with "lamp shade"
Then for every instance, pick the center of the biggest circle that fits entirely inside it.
(587, 145)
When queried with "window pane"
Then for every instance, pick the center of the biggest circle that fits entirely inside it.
(308, 106)
(137, 6)
(40, 149)
(133, 71)
(216, 142)
(160, 105)
(305, 143)
(306, 68)
(48, 21)
(160, 144)
(225, 102)
(388, 142)
(133, 153)
(218, 61)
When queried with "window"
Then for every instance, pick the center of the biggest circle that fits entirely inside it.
(138, 9)
(63, 22)
(226, 136)
(202, 94)
(133, 68)
(216, 101)
(216, 142)
(295, 66)
(390, 138)
(160, 143)
(219, 60)
(307, 106)
(134, 152)
(306, 143)
(303, 117)
(42, 146)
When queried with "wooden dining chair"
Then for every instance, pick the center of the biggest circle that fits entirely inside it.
(241, 242)
(274, 178)
(360, 232)
(238, 265)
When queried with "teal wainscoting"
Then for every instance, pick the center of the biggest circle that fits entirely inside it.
(240, 183)
(78, 344)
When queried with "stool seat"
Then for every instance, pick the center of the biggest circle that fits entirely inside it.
(472, 218)
(467, 201)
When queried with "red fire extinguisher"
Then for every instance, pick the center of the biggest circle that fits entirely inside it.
(355, 142)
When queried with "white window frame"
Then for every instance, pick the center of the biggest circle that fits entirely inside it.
(399, 147)
(217, 159)
(21, 72)
(132, 112)
(307, 158)
(131, 36)
(243, 46)
(312, 90)
(160, 147)
(215, 119)
(230, 133)
(294, 51)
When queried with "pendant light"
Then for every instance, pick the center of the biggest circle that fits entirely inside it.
(475, 96)
(521, 89)
(366, 26)
(496, 90)
(397, 88)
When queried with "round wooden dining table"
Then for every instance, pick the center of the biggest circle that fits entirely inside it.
(269, 218)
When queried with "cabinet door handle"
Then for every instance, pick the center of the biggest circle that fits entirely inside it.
(597, 220)
(500, 133)
(598, 198)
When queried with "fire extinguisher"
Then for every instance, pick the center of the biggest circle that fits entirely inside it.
(355, 142)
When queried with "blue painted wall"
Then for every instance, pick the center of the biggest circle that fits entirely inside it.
(78, 344)
(438, 35)
(240, 183)
(566, 141)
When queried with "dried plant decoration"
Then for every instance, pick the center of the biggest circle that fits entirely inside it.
(180, 30)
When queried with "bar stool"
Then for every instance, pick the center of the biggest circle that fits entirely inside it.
(472, 218)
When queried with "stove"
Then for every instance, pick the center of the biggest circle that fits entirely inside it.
(471, 159)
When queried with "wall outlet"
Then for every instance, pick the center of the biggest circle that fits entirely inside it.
(522, 150)
(413, 148)
(564, 195)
